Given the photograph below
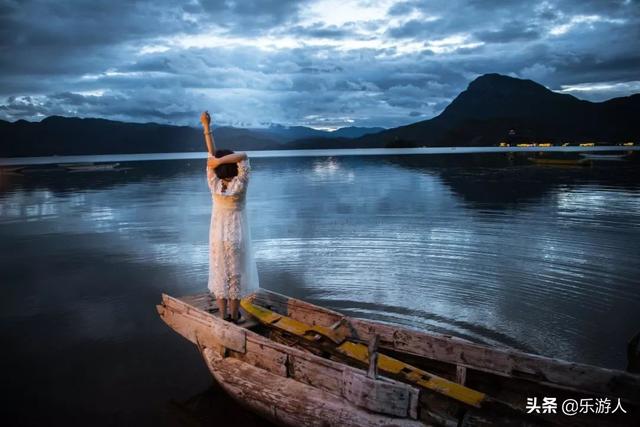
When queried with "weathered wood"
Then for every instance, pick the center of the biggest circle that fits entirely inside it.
(399, 399)
(337, 324)
(504, 362)
(377, 396)
(505, 372)
(290, 402)
(373, 357)
(265, 357)
(198, 300)
(461, 374)
(202, 328)
(500, 361)
(296, 309)
(325, 376)
(203, 305)
(357, 354)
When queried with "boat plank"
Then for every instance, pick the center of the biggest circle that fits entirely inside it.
(296, 309)
(373, 356)
(378, 396)
(324, 376)
(265, 357)
(456, 351)
(178, 304)
(556, 373)
(290, 402)
(382, 395)
(461, 374)
(200, 301)
(336, 378)
(205, 332)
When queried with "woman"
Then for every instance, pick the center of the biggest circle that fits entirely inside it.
(232, 269)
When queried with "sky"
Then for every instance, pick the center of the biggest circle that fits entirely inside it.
(319, 63)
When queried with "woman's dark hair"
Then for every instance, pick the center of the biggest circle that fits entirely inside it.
(227, 170)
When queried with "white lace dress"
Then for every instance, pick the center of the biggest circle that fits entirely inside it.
(232, 268)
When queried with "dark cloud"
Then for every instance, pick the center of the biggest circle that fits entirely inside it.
(510, 32)
(280, 61)
(410, 29)
(321, 31)
(250, 16)
(403, 8)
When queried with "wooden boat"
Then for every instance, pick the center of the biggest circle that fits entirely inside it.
(560, 162)
(15, 170)
(288, 363)
(29, 169)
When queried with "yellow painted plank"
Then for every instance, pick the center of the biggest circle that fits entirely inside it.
(360, 352)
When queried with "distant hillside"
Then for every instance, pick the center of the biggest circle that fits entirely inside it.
(354, 132)
(288, 134)
(494, 104)
(482, 115)
(72, 136)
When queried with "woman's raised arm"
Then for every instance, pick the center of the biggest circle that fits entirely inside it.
(232, 158)
(205, 119)
(214, 162)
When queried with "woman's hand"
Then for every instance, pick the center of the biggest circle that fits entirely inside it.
(205, 119)
(212, 162)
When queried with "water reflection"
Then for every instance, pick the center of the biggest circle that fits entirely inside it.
(493, 181)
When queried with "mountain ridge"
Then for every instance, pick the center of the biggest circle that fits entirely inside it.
(492, 108)
(59, 135)
(494, 104)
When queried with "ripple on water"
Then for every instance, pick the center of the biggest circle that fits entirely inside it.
(537, 259)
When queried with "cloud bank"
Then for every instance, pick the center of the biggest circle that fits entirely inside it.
(322, 63)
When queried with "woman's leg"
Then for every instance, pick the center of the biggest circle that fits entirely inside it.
(234, 308)
(234, 269)
(222, 307)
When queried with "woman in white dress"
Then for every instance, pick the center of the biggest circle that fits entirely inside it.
(232, 269)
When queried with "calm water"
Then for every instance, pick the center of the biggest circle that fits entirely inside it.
(540, 259)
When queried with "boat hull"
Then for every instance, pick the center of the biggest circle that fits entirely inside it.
(267, 371)
(287, 385)
(287, 402)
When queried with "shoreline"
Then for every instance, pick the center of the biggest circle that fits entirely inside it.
(48, 160)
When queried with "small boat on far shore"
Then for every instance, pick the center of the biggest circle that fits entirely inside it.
(11, 170)
(560, 162)
(89, 167)
(605, 157)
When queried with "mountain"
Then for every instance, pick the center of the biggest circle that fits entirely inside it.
(482, 115)
(295, 133)
(289, 133)
(73, 136)
(354, 132)
(494, 104)
(56, 135)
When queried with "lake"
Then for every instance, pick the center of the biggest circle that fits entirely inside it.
(482, 246)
